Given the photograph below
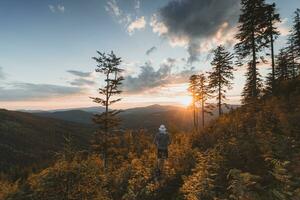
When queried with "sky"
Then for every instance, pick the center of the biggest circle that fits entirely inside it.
(47, 48)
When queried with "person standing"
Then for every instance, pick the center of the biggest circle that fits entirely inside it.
(162, 142)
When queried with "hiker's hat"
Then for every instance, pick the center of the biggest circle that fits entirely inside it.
(162, 128)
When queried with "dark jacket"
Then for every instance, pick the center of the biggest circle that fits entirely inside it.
(162, 140)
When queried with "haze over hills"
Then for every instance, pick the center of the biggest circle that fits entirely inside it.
(149, 117)
(93, 109)
(27, 139)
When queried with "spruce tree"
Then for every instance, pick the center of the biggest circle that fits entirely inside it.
(294, 44)
(221, 75)
(295, 33)
(193, 89)
(283, 68)
(200, 93)
(272, 33)
(291, 53)
(108, 65)
(252, 39)
(204, 95)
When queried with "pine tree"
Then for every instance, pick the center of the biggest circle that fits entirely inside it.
(200, 93)
(291, 53)
(252, 37)
(283, 68)
(108, 65)
(221, 75)
(295, 33)
(272, 33)
(294, 44)
(193, 89)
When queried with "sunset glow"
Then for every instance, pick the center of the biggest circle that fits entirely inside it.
(158, 58)
(185, 100)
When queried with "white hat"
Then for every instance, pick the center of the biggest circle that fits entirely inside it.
(162, 128)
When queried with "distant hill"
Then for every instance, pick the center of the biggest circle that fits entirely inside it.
(149, 117)
(27, 140)
(94, 109)
(78, 116)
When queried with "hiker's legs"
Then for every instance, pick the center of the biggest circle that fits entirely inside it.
(161, 164)
(162, 154)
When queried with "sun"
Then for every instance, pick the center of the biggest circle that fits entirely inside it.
(185, 100)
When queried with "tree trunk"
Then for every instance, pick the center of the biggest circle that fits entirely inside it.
(194, 110)
(202, 112)
(293, 61)
(254, 86)
(220, 95)
(106, 124)
(272, 53)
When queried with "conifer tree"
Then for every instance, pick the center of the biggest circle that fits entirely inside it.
(200, 93)
(291, 53)
(295, 33)
(108, 65)
(193, 89)
(204, 95)
(252, 39)
(294, 44)
(272, 33)
(283, 69)
(221, 75)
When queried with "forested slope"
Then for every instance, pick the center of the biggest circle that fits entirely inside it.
(30, 141)
(250, 153)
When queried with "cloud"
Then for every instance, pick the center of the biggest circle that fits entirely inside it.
(61, 8)
(29, 91)
(151, 50)
(158, 27)
(125, 18)
(190, 23)
(113, 8)
(138, 24)
(82, 82)
(137, 5)
(283, 27)
(57, 8)
(52, 8)
(150, 78)
(80, 73)
(85, 78)
(2, 74)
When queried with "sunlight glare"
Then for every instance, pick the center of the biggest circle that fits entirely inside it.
(185, 100)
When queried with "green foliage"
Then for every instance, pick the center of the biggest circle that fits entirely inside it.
(7, 188)
(241, 155)
(251, 153)
(203, 183)
(198, 87)
(295, 35)
(243, 185)
(28, 143)
(272, 33)
(253, 37)
(107, 65)
(75, 179)
(221, 75)
(259, 151)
